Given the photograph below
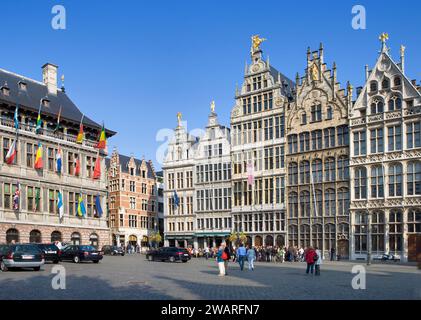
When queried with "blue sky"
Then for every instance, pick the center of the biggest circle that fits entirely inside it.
(135, 64)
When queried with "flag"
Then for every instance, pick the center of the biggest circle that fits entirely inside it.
(250, 173)
(77, 167)
(58, 121)
(39, 122)
(16, 198)
(37, 198)
(79, 138)
(60, 205)
(39, 164)
(97, 169)
(58, 161)
(176, 199)
(102, 143)
(15, 118)
(98, 212)
(81, 211)
(11, 154)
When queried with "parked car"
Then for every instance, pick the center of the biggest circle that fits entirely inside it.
(113, 250)
(171, 254)
(21, 256)
(51, 252)
(78, 253)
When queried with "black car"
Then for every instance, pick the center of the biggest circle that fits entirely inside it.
(21, 256)
(113, 250)
(51, 252)
(78, 253)
(171, 254)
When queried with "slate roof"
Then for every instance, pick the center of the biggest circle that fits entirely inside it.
(287, 84)
(35, 91)
(124, 162)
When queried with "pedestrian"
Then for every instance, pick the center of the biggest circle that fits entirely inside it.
(282, 254)
(332, 254)
(311, 257)
(234, 255)
(251, 256)
(207, 252)
(241, 255)
(226, 258)
(220, 260)
(318, 262)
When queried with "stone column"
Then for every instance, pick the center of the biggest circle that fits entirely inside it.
(386, 230)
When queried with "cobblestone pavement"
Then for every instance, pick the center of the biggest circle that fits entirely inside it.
(132, 277)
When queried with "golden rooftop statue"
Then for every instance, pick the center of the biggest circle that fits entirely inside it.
(402, 50)
(212, 106)
(179, 118)
(384, 37)
(257, 41)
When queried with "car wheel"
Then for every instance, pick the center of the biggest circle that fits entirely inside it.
(172, 259)
(3, 267)
(96, 261)
(150, 258)
(184, 261)
(76, 259)
(37, 268)
(113, 253)
(56, 261)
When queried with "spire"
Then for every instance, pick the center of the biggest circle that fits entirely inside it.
(366, 72)
(321, 53)
(403, 58)
(268, 63)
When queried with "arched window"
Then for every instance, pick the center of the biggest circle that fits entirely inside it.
(397, 81)
(330, 237)
(385, 83)
(75, 238)
(414, 178)
(304, 141)
(305, 204)
(360, 235)
(377, 232)
(316, 140)
(343, 229)
(293, 143)
(56, 236)
(395, 180)
(317, 236)
(360, 183)
(293, 173)
(373, 86)
(293, 205)
(330, 202)
(395, 103)
(377, 106)
(35, 236)
(319, 203)
(12, 236)
(395, 231)
(93, 240)
(343, 202)
(293, 235)
(330, 169)
(343, 168)
(305, 236)
(377, 186)
(317, 170)
(304, 172)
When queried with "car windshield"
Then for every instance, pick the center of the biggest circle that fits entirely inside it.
(86, 248)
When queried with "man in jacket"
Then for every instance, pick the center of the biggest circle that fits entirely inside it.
(318, 262)
(309, 257)
(251, 256)
(241, 255)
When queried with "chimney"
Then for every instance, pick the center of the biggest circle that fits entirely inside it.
(49, 77)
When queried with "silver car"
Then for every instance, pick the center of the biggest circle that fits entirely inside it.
(22, 256)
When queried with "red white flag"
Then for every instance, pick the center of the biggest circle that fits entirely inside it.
(97, 169)
(11, 154)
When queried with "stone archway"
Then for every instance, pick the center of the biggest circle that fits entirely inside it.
(280, 241)
(258, 241)
(269, 241)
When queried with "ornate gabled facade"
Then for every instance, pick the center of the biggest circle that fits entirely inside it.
(178, 170)
(317, 160)
(385, 124)
(257, 152)
(132, 200)
(212, 184)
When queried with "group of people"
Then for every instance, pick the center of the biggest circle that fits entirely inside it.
(131, 249)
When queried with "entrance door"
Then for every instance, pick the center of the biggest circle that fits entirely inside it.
(343, 249)
(413, 249)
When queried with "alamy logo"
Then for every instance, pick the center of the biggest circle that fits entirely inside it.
(359, 281)
(359, 20)
(59, 20)
(59, 280)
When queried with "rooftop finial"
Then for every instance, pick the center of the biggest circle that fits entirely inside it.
(212, 106)
(179, 115)
(62, 82)
(256, 42)
(383, 38)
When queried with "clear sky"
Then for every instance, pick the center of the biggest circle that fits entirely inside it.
(135, 64)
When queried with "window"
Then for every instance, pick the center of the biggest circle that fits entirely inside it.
(360, 183)
(377, 187)
(330, 170)
(304, 172)
(397, 81)
(317, 170)
(376, 140)
(51, 152)
(394, 138)
(316, 140)
(33, 199)
(329, 113)
(343, 202)
(329, 137)
(414, 221)
(330, 236)
(360, 237)
(132, 203)
(377, 232)
(7, 143)
(318, 203)
(373, 86)
(56, 236)
(395, 180)
(293, 235)
(395, 103)
(12, 235)
(35, 236)
(316, 113)
(304, 118)
(293, 205)
(317, 235)
(52, 207)
(377, 106)
(305, 236)
(292, 144)
(90, 166)
(413, 135)
(343, 135)
(395, 231)
(304, 141)
(330, 202)
(132, 186)
(385, 83)
(343, 168)
(75, 239)
(359, 143)
(305, 204)
(72, 203)
(293, 173)
(30, 155)
(132, 221)
(414, 178)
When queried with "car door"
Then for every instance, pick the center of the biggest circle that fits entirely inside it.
(67, 253)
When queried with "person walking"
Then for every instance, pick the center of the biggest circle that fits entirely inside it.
(241, 255)
(226, 258)
(332, 254)
(318, 262)
(207, 252)
(310, 258)
(220, 260)
(251, 256)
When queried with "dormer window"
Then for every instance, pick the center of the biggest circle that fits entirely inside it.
(397, 81)
(132, 171)
(5, 90)
(385, 83)
(22, 85)
(45, 102)
(373, 86)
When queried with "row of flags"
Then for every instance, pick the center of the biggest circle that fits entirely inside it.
(81, 209)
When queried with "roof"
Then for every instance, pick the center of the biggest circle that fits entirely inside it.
(35, 91)
(287, 84)
(124, 162)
